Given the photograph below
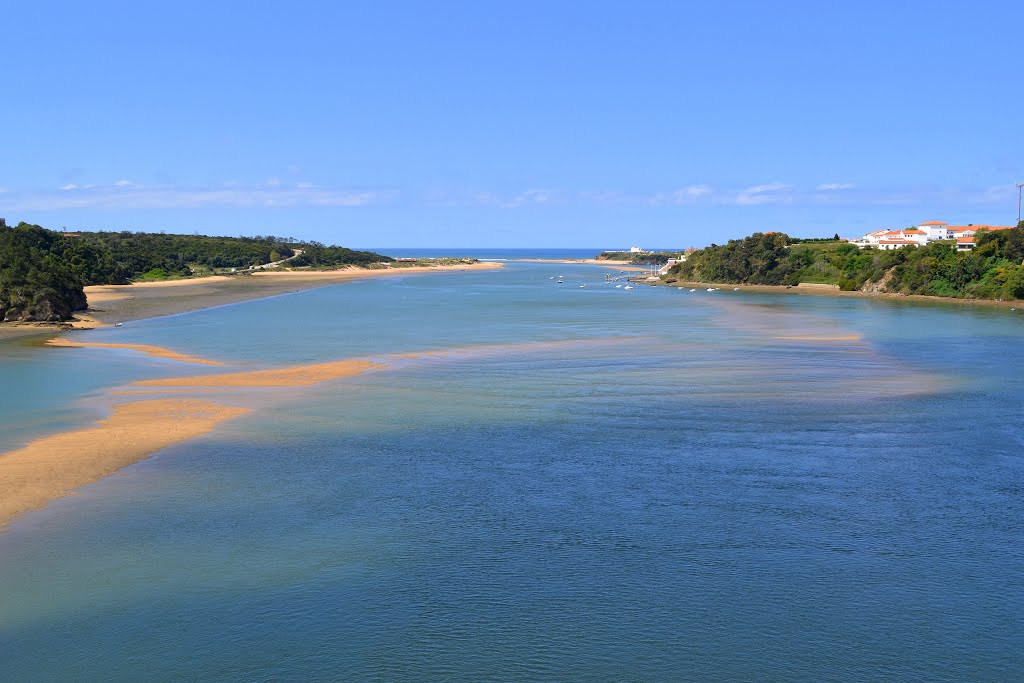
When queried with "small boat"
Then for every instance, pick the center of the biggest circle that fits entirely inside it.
(118, 324)
(735, 289)
(711, 289)
(693, 290)
(628, 287)
(617, 286)
(582, 286)
(559, 282)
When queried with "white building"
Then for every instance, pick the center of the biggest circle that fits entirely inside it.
(936, 230)
(635, 250)
(965, 243)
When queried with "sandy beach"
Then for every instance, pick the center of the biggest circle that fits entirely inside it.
(614, 265)
(110, 304)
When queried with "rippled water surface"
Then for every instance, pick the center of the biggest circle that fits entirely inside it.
(592, 484)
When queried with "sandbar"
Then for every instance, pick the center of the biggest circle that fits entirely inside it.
(308, 375)
(296, 376)
(148, 349)
(53, 466)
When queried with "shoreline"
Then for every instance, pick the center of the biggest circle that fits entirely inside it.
(838, 293)
(111, 304)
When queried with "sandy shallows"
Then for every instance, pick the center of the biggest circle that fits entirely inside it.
(149, 350)
(297, 376)
(307, 375)
(54, 466)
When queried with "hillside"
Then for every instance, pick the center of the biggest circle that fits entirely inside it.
(42, 272)
(992, 270)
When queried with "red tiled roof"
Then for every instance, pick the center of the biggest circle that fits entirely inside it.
(934, 223)
(897, 242)
(965, 240)
(913, 231)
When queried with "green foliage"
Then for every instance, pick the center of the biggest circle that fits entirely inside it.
(118, 257)
(643, 258)
(319, 256)
(42, 272)
(37, 280)
(994, 269)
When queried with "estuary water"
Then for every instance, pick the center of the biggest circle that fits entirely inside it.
(590, 483)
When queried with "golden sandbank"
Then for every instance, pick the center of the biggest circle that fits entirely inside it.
(148, 349)
(54, 466)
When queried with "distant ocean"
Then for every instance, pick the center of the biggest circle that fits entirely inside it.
(589, 484)
(493, 253)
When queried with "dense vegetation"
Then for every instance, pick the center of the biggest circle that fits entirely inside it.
(42, 272)
(37, 280)
(318, 256)
(639, 258)
(118, 257)
(994, 269)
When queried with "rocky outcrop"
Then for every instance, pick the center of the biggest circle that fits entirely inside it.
(42, 305)
(882, 284)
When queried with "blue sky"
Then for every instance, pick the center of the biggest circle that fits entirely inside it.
(547, 124)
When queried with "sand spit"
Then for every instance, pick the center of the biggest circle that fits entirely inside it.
(295, 376)
(53, 466)
(121, 303)
(308, 375)
(354, 273)
(149, 350)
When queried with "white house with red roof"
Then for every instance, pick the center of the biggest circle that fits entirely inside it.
(965, 243)
(894, 239)
(964, 234)
(920, 235)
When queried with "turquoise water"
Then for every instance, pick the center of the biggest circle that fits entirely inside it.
(594, 484)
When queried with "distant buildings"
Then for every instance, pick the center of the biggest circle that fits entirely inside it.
(920, 235)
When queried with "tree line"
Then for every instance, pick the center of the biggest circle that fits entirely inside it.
(42, 272)
(994, 269)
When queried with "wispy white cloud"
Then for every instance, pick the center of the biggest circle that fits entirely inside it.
(691, 194)
(452, 198)
(832, 187)
(529, 197)
(123, 183)
(120, 195)
(768, 193)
